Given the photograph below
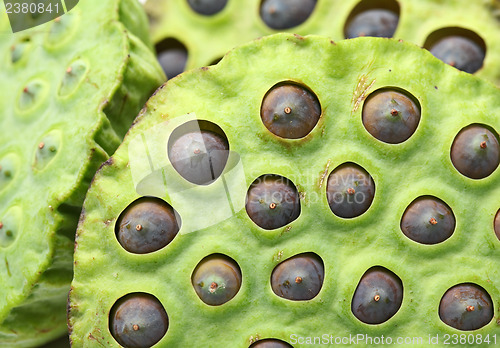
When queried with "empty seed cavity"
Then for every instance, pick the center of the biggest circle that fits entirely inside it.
(376, 18)
(73, 76)
(298, 278)
(475, 151)
(285, 14)
(216, 279)
(47, 149)
(290, 110)
(138, 320)
(378, 296)
(32, 94)
(198, 151)
(63, 28)
(172, 55)
(9, 164)
(428, 220)
(272, 201)
(270, 343)
(391, 115)
(10, 226)
(207, 7)
(466, 307)
(458, 47)
(349, 190)
(148, 224)
(20, 49)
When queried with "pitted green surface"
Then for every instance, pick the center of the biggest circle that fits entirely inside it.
(230, 94)
(207, 38)
(70, 89)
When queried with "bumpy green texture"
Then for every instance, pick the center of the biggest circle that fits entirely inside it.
(208, 37)
(70, 89)
(214, 220)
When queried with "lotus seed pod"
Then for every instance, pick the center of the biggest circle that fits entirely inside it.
(71, 89)
(272, 202)
(291, 260)
(466, 307)
(147, 225)
(378, 296)
(391, 116)
(428, 220)
(298, 278)
(290, 111)
(463, 34)
(476, 152)
(216, 279)
(350, 190)
(138, 320)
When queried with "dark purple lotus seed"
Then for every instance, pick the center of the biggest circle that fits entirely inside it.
(466, 307)
(285, 14)
(428, 220)
(270, 343)
(290, 111)
(199, 156)
(497, 225)
(216, 279)
(207, 7)
(349, 190)
(372, 22)
(378, 296)
(272, 202)
(459, 52)
(298, 278)
(146, 225)
(172, 56)
(475, 152)
(390, 116)
(138, 320)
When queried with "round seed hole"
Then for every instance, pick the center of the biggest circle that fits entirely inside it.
(290, 110)
(272, 201)
(376, 18)
(207, 7)
(172, 55)
(475, 152)
(148, 224)
(350, 190)
(138, 320)
(458, 47)
(216, 279)
(496, 224)
(391, 115)
(466, 307)
(10, 225)
(270, 343)
(378, 296)
(198, 150)
(428, 220)
(285, 14)
(298, 278)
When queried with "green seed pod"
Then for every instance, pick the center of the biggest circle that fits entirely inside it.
(70, 90)
(463, 34)
(341, 257)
